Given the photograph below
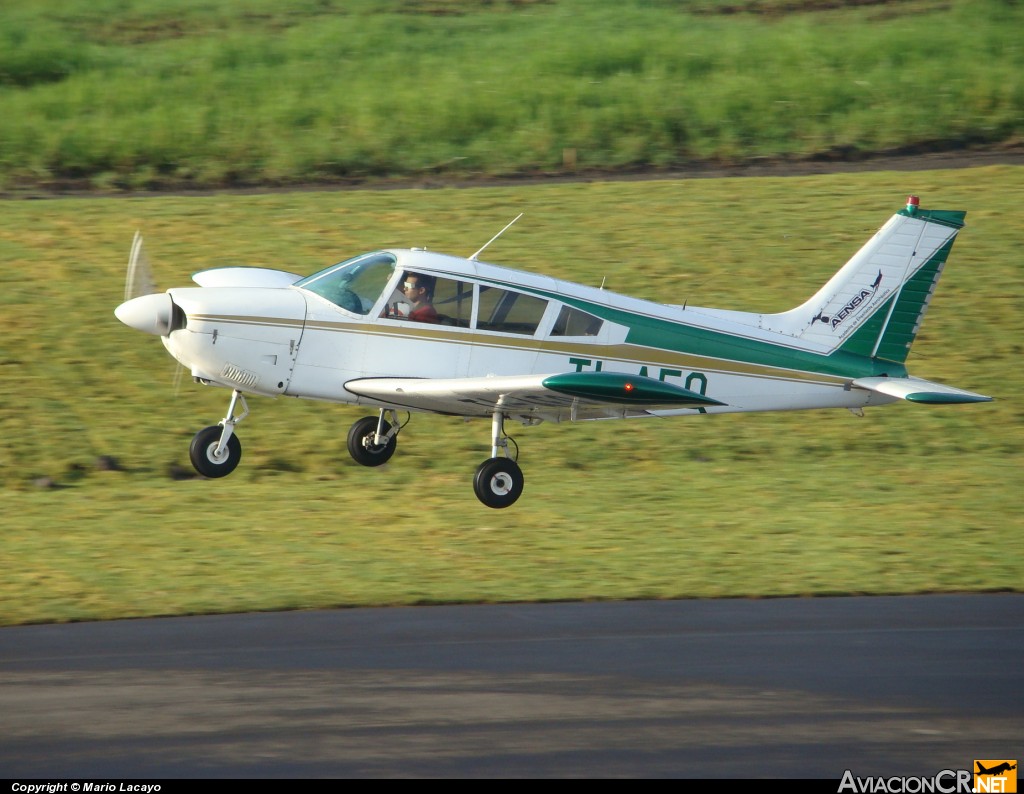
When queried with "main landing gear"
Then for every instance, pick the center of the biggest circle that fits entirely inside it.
(498, 481)
(372, 440)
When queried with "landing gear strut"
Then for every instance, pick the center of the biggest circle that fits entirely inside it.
(215, 451)
(499, 480)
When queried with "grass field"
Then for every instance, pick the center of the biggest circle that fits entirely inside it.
(906, 499)
(102, 516)
(129, 94)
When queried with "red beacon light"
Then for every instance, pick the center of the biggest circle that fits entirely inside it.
(913, 202)
(628, 387)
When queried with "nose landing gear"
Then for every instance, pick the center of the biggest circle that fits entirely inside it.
(215, 451)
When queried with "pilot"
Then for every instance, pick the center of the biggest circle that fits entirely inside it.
(419, 291)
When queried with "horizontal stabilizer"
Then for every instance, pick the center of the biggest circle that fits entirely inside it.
(917, 390)
(244, 277)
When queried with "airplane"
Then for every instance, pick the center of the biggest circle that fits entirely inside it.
(997, 770)
(516, 346)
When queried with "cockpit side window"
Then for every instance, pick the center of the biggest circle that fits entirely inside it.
(573, 322)
(509, 312)
(454, 302)
(451, 300)
(354, 285)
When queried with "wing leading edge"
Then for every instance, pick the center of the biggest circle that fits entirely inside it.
(554, 397)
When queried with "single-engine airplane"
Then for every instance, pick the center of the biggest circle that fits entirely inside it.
(413, 330)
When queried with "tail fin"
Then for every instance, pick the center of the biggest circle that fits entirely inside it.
(873, 306)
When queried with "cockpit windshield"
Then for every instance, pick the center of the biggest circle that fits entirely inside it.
(355, 284)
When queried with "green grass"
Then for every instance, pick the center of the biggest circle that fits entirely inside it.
(128, 94)
(907, 499)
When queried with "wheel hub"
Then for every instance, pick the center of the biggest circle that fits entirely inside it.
(211, 453)
(501, 484)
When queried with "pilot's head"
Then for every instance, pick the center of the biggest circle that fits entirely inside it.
(417, 287)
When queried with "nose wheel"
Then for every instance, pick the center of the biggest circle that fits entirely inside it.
(205, 458)
(215, 451)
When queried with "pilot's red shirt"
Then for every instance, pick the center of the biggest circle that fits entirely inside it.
(424, 314)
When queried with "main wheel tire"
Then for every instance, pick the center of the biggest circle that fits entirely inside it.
(361, 446)
(201, 453)
(498, 482)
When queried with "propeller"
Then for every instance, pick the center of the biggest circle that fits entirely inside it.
(144, 308)
(139, 278)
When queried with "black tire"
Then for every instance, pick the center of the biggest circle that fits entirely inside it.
(498, 482)
(201, 453)
(360, 445)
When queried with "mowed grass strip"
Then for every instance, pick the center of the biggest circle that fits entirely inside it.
(906, 499)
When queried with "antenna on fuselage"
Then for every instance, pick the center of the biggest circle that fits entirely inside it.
(520, 215)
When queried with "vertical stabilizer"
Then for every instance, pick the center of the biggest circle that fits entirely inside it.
(873, 306)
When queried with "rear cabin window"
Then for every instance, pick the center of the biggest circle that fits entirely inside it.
(509, 312)
(573, 322)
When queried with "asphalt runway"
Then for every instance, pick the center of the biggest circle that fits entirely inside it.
(802, 688)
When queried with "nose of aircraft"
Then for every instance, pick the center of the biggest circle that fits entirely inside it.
(149, 313)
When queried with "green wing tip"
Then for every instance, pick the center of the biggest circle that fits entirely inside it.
(940, 398)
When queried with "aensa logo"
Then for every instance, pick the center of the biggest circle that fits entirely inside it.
(855, 302)
(998, 777)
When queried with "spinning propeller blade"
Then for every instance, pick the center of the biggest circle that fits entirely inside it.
(139, 279)
(156, 317)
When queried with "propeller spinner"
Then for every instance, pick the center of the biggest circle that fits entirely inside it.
(151, 314)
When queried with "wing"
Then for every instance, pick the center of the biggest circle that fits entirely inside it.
(553, 397)
(919, 391)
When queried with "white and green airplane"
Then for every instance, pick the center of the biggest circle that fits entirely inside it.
(411, 330)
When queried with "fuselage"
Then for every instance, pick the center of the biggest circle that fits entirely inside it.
(347, 323)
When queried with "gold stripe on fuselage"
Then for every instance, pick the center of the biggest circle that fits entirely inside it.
(279, 322)
(624, 354)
